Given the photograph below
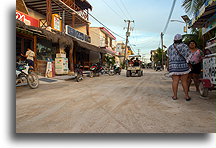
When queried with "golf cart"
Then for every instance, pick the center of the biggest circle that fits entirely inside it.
(134, 66)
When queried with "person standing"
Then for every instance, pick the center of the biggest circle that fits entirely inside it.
(195, 59)
(178, 67)
(30, 55)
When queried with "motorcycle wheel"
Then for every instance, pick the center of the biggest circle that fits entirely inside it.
(91, 74)
(78, 78)
(33, 80)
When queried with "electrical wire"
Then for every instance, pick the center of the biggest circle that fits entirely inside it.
(113, 10)
(126, 9)
(105, 25)
(170, 15)
(120, 9)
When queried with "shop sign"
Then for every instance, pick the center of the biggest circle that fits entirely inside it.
(56, 22)
(28, 20)
(211, 25)
(74, 33)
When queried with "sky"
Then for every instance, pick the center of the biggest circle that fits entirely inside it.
(150, 18)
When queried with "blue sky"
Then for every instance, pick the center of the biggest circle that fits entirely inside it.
(150, 18)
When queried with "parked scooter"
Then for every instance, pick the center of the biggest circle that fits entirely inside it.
(25, 74)
(117, 69)
(78, 72)
(96, 69)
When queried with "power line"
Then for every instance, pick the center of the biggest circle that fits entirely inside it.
(105, 25)
(126, 9)
(121, 9)
(112, 9)
(170, 15)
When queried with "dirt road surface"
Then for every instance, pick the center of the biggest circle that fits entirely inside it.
(113, 105)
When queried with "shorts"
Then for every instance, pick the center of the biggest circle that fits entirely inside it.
(30, 62)
(196, 68)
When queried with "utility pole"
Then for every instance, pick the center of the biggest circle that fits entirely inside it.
(138, 51)
(127, 36)
(162, 44)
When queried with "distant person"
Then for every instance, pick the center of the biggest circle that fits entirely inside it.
(131, 61)
(137, 62)
(178, 67)
(195, 59)
(30, 55)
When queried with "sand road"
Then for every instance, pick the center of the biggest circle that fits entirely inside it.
(113, 105)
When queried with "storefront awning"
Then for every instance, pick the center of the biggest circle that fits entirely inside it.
(109, 51)
(56, 37)
(202, 16)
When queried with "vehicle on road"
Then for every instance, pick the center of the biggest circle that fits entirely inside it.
(25, 75)
(134, 66)
(96, 69)
(78, 72)
(117, 69)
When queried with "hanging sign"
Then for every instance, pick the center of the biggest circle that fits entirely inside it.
(56, 22)
(79, 35)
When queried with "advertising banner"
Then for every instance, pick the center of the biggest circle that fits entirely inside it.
(28, 20)
(56, 22)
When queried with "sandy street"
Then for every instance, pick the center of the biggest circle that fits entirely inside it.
(113, 105)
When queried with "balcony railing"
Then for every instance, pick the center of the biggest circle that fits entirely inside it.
(73, 6)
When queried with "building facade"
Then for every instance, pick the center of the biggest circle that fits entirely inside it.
(49, 27)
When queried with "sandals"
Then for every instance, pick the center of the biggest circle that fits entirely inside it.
(188, 99)
(174, 98)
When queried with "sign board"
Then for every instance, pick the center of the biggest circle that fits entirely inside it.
(56, 22)
(79, 35)
(28, 20)
(211, 25)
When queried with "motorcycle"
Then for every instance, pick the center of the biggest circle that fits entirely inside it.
(117, 69)
(96, 69)
(79, 72)
(25, 74)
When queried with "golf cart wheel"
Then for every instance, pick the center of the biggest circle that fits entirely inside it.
(203, 91)
(128, 74)
(139, 73)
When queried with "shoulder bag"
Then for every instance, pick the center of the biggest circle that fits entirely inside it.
(190, 65)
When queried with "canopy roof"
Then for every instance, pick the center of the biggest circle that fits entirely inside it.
(59, 6)
(204, 14)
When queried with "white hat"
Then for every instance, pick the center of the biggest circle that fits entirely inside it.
(178, 37)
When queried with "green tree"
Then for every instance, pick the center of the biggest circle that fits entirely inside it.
(192, 6)
(158, 56)
(195, 35)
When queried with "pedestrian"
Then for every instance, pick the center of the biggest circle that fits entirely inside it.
(30, 55)
(195, 60)
(178, 66)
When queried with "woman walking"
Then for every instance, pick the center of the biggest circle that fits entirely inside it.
(195, 60)
(178, 67)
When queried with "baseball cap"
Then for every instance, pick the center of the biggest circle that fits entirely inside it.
(178, 37)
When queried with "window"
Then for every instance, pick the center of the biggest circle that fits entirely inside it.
(45, 49)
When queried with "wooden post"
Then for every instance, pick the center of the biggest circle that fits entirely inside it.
(35, 51)
(87, 29)
(49, 12)
(73, 20)
(71, 59)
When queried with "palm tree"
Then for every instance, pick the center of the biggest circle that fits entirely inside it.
(192, 6)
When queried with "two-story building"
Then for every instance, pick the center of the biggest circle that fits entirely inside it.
(103, 39)
(54, 26)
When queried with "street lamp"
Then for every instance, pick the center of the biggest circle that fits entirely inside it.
(186, 21)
